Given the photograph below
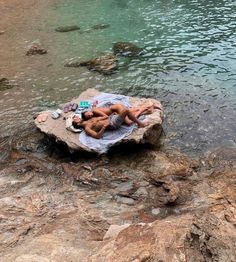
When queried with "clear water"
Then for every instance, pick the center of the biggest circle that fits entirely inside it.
(189, 62)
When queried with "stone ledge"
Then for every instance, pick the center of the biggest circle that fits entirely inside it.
(148, 135)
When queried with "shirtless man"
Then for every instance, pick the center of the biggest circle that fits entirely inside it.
(103, 111)
(96, 126)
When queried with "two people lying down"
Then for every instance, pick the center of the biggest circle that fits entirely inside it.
(97, 120)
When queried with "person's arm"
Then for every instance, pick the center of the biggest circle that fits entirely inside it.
(93, 133)
(98, 112)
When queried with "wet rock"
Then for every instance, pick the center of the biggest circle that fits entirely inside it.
(221, 158)
(69, 28)
(100, 26)
(126, 49)
(36, 49)
(5, 84)
(106, 64)
(147, 135)
(31, 142)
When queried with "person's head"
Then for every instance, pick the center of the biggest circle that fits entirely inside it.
(87, 115)
(77, 120)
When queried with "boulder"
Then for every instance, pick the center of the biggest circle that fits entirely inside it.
(105, 64)
(148, 135)
(69, 28)
(100, 26)
(36, 49)
(126, 49)
(5, 84)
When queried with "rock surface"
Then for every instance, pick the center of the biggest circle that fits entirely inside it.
(106, 64)
(5, 84)
(100, 26)
(57, 210)
(149, 134)
(69, 28)
(36, 49)
(126, 49)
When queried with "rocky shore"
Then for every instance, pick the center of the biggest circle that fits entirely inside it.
(146, 205)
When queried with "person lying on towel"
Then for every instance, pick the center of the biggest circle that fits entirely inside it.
(103, 111)
(96, 125)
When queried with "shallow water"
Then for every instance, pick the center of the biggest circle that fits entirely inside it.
(188, 63)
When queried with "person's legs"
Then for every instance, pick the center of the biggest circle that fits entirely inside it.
(137, 112)
(124, 112)
(143, 110)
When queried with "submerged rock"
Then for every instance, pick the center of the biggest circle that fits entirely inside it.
(126, 49)
(100, 26)
(5, 84)
(106, 64)
(147, 135)
(36, 49)
(69, 28)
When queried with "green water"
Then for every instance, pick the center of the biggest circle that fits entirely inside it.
(189, 61)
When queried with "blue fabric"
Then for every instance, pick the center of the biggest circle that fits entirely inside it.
(110, 137)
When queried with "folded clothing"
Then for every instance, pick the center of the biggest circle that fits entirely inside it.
(69, 124)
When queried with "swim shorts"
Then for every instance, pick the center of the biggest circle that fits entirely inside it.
(115, 121)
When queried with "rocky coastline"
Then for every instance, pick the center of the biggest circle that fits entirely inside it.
(129, 206)
(143, 204)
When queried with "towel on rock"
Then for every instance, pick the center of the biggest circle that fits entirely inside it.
(110, 137)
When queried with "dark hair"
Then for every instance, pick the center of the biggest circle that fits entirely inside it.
(83, 117)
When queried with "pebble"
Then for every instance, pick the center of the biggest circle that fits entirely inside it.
(156, 211)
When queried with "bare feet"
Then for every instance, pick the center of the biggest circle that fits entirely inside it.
(148, 110)
(128, 122)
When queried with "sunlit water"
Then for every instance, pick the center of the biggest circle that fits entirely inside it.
(189, 63)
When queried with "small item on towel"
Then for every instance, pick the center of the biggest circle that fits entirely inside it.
(81, 110)
(69, 124)
(56, 114)
(70, 107)
(74, 106)
(84, 104)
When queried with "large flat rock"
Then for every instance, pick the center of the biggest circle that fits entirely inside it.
(148, 135)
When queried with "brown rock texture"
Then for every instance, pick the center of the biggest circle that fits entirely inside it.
(149, 134)
(36, 49)
(69, 28)
(126, 49)
(105, 64)
(111, 209)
